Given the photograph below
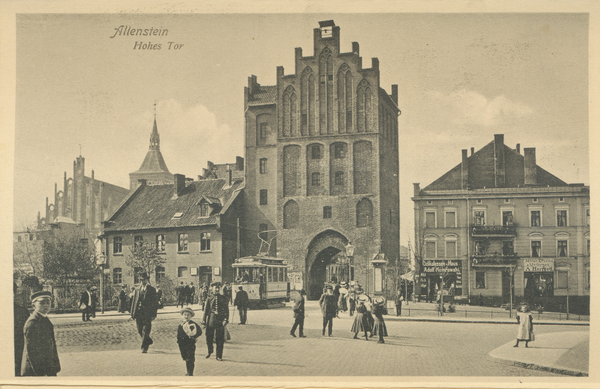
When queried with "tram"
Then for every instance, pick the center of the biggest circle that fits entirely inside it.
(264, 279)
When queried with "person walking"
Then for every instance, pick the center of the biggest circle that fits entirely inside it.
(20, 316)
(525, 322)
(87, 303)
(241, 302)
(299, 315)
(352, 299)
(122, 306)
(187, 332)
(398, 301)
(180, 290)
(379, 328)
(216, 316)
(203, 295)
(130, 299)
(143, 310)
(328, 304)
(360, 323)
(186, 294)
(40, 356)
(192, 294)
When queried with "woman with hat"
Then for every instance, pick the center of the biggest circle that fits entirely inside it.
(525, 322)
(361, 323)
(379, 324)
(187, 332)
(342, 304)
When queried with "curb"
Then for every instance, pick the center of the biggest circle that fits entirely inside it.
(535, 366)
(485, 321)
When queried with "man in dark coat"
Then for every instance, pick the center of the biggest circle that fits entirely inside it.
(299, 315)
(87, 303)
(143, 310)
(328, 304)
(40, 357)
(241, 302)
(186, 295)
(180, 294)
(192, 294)
(122, 299)
(216, 316)
(21, 314)
(398, 300)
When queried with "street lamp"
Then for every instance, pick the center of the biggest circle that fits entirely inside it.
(349, 255)
(101, 262)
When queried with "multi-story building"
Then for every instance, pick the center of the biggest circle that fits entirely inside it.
(498, 220)
(193, 224)
(322, 165)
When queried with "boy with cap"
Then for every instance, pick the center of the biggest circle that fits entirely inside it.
(216, 316)
(40, 357)
(187, 332)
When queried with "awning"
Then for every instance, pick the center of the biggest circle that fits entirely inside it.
(408, 276)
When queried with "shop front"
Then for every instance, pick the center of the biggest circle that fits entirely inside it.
(538, 278)
(437, 272)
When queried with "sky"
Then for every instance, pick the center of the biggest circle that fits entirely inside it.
(461, 79)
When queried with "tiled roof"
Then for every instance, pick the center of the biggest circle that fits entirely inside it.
(154, 206)
(264, 95)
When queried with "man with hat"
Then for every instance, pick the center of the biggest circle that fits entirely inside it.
(87, 303)
(241, 302)
(216, 316)
(40, 357)
(143, 310)
(328, 304)
(299, 315)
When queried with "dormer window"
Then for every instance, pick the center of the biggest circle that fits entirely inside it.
(204, 210)
(178, 215)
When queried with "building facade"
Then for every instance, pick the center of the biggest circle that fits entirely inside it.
(192, 224)
(498, 225)
(322, 166)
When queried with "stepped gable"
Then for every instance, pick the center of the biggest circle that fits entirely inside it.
(484, 170)
(155, 206)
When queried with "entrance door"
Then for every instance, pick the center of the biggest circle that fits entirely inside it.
(205, 275)
(318, 272)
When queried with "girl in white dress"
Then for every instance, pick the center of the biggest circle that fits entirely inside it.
(525, 322)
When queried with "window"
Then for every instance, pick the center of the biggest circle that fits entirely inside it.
(160, 243)
(364, 213)
(450, 219)
(315, 179)
(315, 152)
(117, 245)
(291, 215)
(348, 119)
(536, 248)
(561, 199)
(263, 197)
(322, 79)
(338, 151)
(561, 248)
(138, 241)
(561, 218)
(479, 280)
(262, 166)
(159, 273)
(339, 178)
(182, 245)
(204, 210)
(450, 249)
(205, 241)
(507, 200)
(182, 271)
(535, 200)
(508, 247)
(479, 218)
(263, 130)
(429, 219)
(507, 218)
(117, 275)
(430, 250)
(478, 201)
(562, 280)
(304, 119)
(536, 218)
(327, 212)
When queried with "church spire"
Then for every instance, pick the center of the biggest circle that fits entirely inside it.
(154, 137)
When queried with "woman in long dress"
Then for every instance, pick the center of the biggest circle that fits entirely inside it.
(525, 322)
(360, 323)
(379, 324)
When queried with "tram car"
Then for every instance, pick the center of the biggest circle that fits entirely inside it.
(265, 280)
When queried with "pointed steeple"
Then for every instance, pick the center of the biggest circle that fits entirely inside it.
(154, 137)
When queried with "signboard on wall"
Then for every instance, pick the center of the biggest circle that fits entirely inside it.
(538, 265)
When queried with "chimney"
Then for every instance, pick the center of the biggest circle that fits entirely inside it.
(179, 184)
(228, 174)
(472, 150)
(416, 189)
(355, 48)
(239, 163)
(499, 166)
(530, 166)
(464, 170)
(519, 148)
(375, 63)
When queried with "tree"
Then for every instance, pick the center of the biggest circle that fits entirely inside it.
(67, 259)
(144, 258)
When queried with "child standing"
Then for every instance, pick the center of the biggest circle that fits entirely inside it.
(187, 332)
(360, 323)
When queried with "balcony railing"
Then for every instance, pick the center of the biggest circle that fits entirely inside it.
(494, 259)
(477, 230)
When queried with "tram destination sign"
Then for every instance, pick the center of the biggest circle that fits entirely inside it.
(538, 265)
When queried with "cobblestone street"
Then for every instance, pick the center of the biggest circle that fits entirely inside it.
(109, 345)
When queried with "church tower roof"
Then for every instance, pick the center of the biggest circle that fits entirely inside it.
(154, 161)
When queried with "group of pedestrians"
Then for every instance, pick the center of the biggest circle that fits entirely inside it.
(186, 294)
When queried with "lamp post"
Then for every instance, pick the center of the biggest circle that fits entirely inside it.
(349, 256)
(101, 262)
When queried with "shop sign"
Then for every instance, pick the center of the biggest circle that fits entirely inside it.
(448, 266)
(538, 265)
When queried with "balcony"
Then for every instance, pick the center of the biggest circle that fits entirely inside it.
(493, 231)
(494, 259)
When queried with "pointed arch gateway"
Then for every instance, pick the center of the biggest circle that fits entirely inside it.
(322, 251)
